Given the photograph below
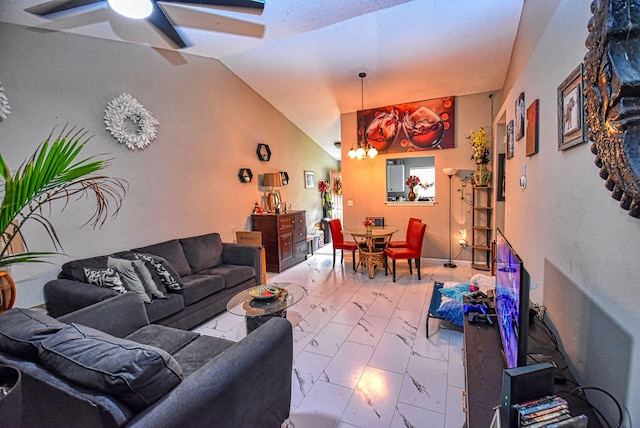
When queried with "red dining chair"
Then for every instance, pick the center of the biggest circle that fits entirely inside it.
(338, 242)
(412, 251)
(399, 244)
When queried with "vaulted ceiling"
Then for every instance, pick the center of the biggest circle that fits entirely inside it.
(304, 56)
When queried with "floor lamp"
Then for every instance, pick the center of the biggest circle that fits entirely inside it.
(450, 172)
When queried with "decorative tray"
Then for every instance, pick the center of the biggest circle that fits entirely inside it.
(265, 292)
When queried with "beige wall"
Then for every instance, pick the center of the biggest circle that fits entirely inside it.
(365, 180)
(185, 183)
(578, 244)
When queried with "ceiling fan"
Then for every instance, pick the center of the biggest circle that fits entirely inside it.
(151, 10)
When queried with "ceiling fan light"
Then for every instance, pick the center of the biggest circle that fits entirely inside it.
(136, 9)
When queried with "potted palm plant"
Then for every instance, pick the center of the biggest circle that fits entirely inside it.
(52, 173)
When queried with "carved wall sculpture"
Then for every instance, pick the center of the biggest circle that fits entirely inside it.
(612, 94)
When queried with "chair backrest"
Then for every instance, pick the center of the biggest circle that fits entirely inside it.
(377, 221)
(416, 236)
(411, 221)
(336, 231)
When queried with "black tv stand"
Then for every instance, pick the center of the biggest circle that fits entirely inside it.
(484, 363)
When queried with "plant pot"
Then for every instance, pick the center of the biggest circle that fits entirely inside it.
(10, 397)
(7, 291)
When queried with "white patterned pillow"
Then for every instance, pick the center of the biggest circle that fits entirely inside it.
(167, 279)
(108, 278)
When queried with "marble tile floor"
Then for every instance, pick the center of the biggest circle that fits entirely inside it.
(361, 356)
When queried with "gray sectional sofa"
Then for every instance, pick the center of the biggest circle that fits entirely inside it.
(106, 366)
(195, 277)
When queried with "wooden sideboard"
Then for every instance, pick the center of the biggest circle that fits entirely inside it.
(283, 238)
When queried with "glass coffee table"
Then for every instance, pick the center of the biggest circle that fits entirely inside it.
(261, 303)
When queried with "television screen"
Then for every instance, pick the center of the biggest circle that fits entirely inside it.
(512, 302)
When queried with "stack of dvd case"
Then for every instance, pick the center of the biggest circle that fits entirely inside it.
(549, 412)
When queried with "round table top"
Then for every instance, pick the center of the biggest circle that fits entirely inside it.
(246, 305)
(376, 231)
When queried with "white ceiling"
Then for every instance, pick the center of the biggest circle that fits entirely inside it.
(304, 56)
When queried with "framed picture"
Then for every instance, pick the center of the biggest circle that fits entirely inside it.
(510, 140)
(532, 128)
(501, 183)
(519, 117)
(572, 129)
(309, 180)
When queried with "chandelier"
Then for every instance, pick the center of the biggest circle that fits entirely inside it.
(363, 149)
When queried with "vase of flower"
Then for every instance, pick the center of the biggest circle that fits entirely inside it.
(482, 175)
(412, 194)
(368, 225)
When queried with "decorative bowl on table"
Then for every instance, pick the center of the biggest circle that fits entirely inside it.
(265, 292)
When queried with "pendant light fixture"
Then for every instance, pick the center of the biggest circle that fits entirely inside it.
(363, 149)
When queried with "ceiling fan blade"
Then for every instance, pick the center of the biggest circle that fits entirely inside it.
(161, 21)
(249, 4)
(57, 6)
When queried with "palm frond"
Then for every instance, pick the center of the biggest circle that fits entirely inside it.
(54, 173)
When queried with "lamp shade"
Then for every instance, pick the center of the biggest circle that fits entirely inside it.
(449, 171)
(272, 179)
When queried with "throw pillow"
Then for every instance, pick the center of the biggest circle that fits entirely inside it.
(21, 330)
(129, 276)
(108, 278)
(136, 374)
(203, 252)
(147, 280)
(162, 270)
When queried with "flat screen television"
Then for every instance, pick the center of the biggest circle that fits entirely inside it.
(512, 302)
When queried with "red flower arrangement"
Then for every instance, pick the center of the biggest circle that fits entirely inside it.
(323, 186)
(412, 181)
(368, 222)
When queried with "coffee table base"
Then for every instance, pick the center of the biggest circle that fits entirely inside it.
(254, 322)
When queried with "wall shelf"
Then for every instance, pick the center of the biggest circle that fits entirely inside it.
(481, 229)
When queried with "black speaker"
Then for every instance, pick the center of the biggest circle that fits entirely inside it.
(523, 384)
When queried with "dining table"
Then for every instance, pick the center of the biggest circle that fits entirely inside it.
(371, 244)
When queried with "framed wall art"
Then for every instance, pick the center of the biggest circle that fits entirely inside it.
(519, 117)
(571, 121)
(532, 128)
(309, 180)
(409, 127)
(510, 140)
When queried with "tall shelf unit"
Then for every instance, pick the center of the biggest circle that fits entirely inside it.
(481, 228)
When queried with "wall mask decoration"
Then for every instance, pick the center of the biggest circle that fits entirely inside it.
(264, 152)
(612, 97)
(4, 104)
(124, 113)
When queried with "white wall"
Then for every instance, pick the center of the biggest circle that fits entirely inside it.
(578, 244)
(185, 183)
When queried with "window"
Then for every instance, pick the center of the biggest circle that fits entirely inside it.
(399, 169)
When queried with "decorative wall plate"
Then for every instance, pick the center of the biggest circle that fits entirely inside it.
(124, 109)
(264, 152)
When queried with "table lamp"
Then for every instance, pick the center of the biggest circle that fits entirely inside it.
(272, 179)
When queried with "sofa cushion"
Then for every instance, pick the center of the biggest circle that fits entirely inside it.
(149, 285)
(129, 277)
(163, 274)
(203, 252)
(162, 308)
(199, 352)
(168, 338)
(107, 278)
(197, 287)
(232, 274)
(172, 252)
(136, 374)
(21, 330)
(75, 269)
